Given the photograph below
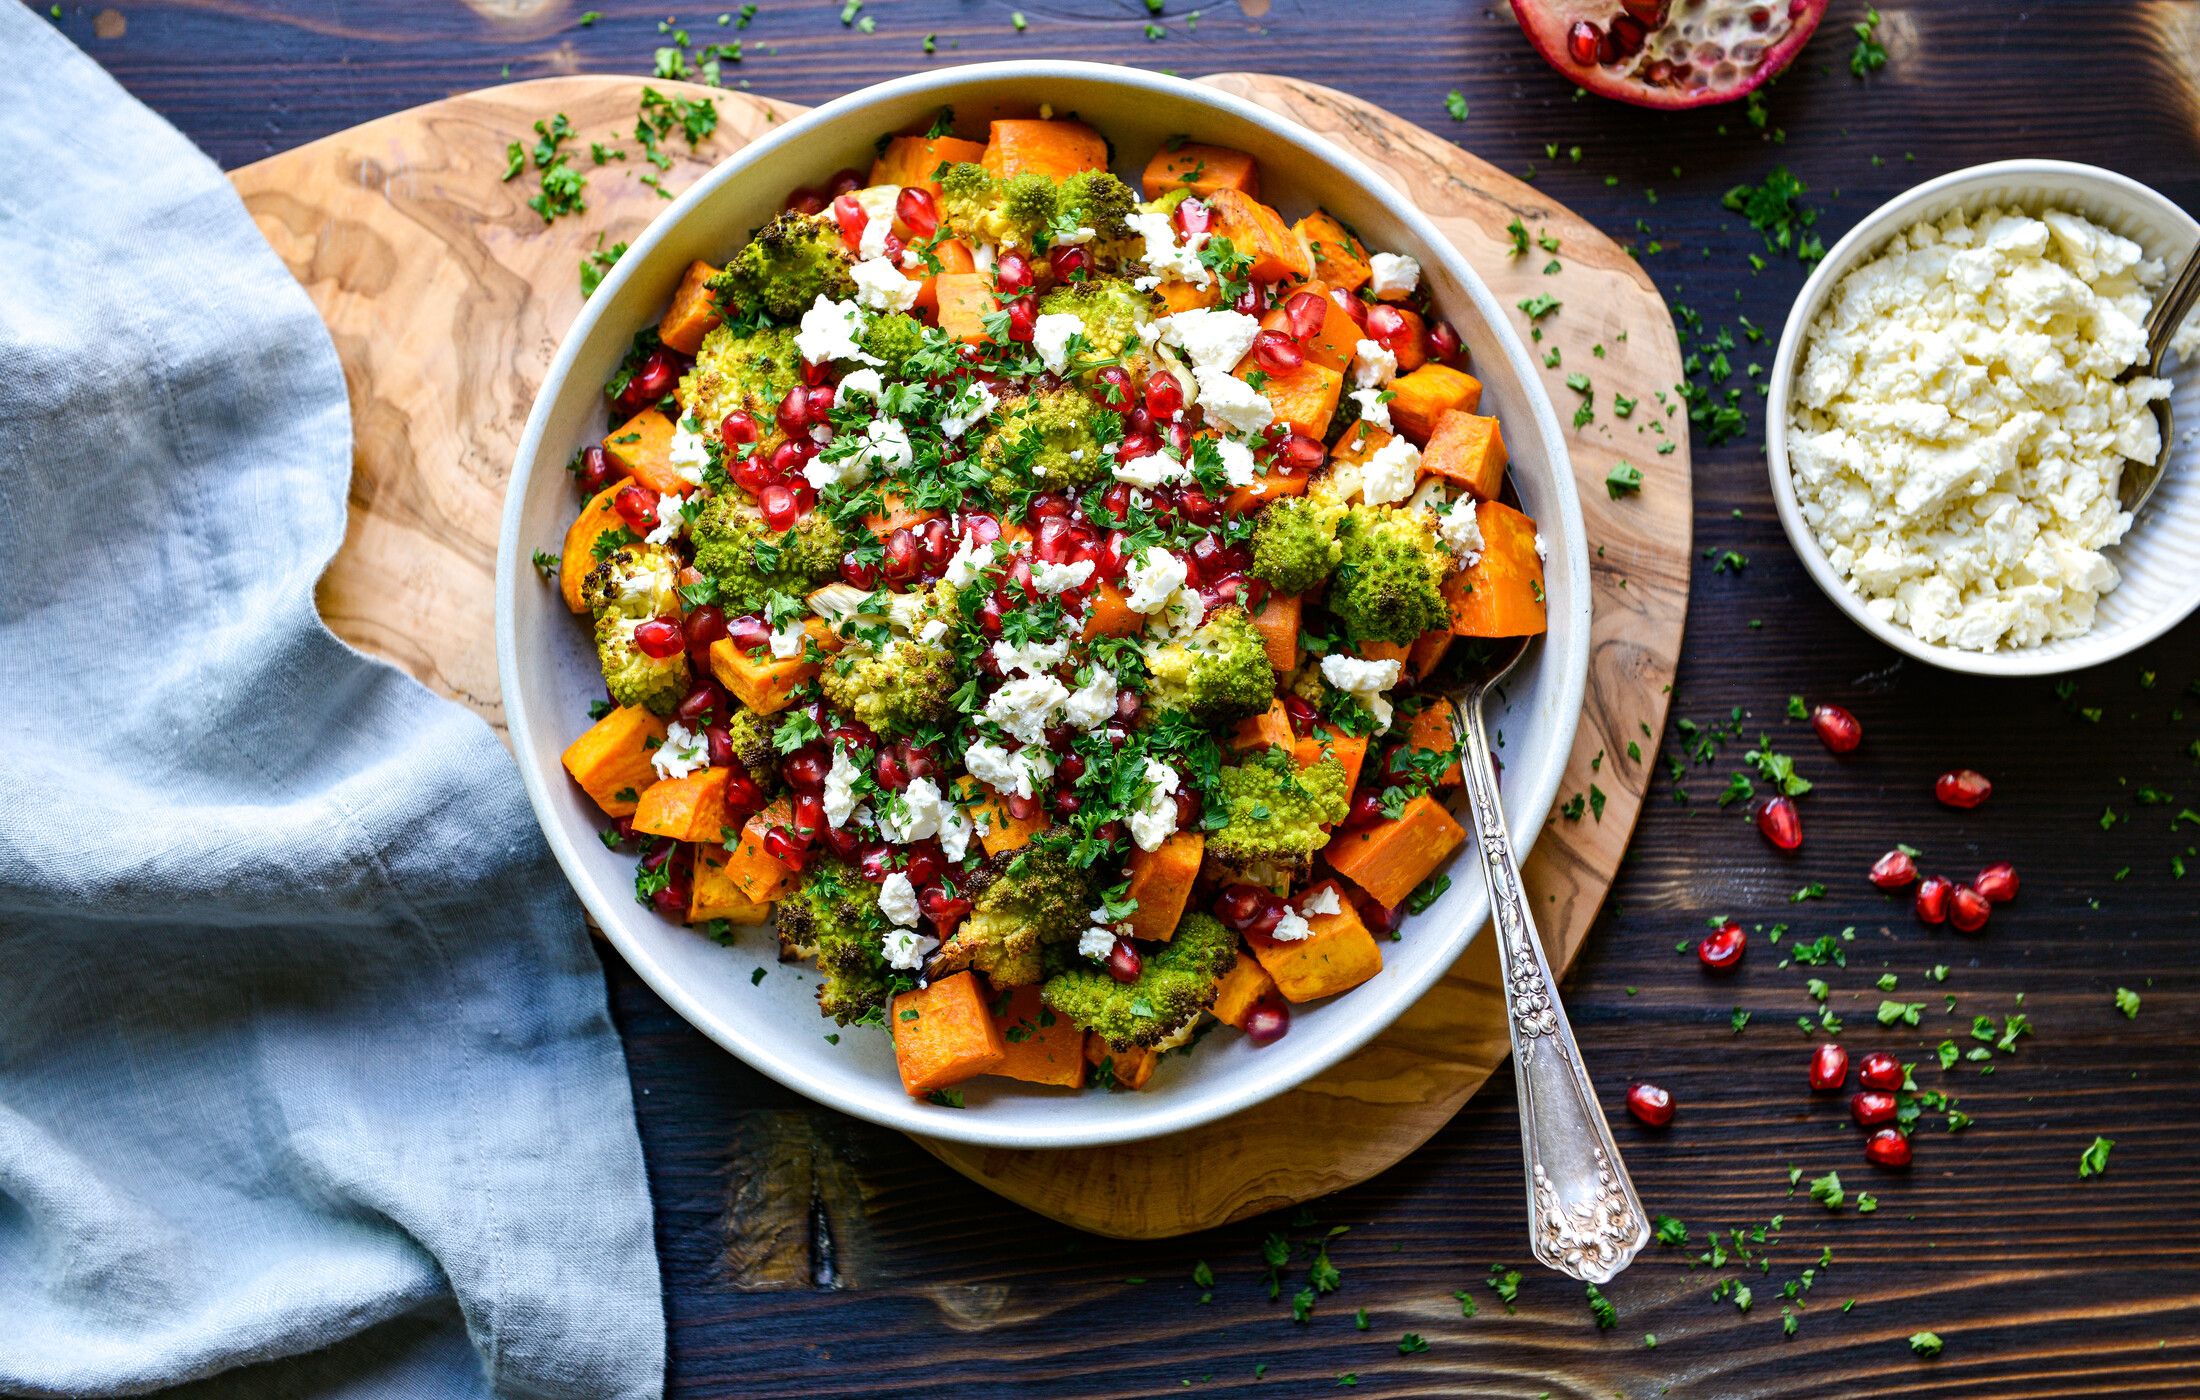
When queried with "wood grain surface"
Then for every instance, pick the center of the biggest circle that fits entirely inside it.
(806, 1254)
(423, 189)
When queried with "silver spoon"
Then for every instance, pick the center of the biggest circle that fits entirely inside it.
(2140, 478)
(1585, 1219)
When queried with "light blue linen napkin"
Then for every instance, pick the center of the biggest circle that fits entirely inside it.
(307, 1085)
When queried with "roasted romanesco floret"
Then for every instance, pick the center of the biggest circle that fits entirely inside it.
(1046, 441)
(749, 562)
(789, 264)
(1097, 200)
(1295, 543)
(1175, 982)
(634, 581)
(1390, 575)
(892, 337)
(1027, 901)
(632, 675)
(1112, 310)
(1276, 810)
(1011, 213)
(1217, 674)
(735, 370)
(834, 917)
(897, 687)
(752, 745)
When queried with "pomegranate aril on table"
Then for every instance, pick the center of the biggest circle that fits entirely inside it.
(1968, 909)
(1650, 1104)
(1962, 788)
(1998, 882)
(1780, 823)
(1829, 1067)
(1837, 728)
(1887, 1148)
(1871, 1107)
(1931, 902)
(1893, 871)
(1722, 948)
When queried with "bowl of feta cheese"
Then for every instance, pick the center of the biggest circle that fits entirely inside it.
(1954, 402)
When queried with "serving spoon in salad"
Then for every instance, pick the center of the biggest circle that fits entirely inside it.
(2140, 478)
(1584, 1217)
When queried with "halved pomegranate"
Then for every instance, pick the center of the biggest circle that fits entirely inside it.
(1669, 53)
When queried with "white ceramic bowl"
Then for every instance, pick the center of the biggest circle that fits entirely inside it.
(2160, 557)
(549, 675)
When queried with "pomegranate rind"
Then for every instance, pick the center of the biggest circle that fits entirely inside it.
(1545, 22)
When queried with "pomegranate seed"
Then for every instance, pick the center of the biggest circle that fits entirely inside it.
(1780, 823)
(1932, 899)
(1871, 1108)
(1628, 34)
(637, 506)
(1266, 1021)
(1127, 706)
(1968, 910)
(1276, 353)
(742, 793)
(778, 505)
(1829, 1067)
(1198, 507)
(1582, 42)
(918, 212)
(1650, 1104)
(1300, 453)
(981, 527)
(703, 626)
(805, 201)
(1164, 396)
(1351, 306)
(1136, 445)
(1238, 905)
(1998, 882)
(1837, 728)
(738, 429)
(1301, 713)
(1386, 324)
(989, 617)
(1650, 12)
(1115, 389)
(1023, 318)
(1011, 274)
(592, 469)
(1069, 262)
(794, 410)
(782, 845)
(1366, 809)
(805, 769)
(940, 906)
(701, 702)
(858, 572)
(848, 213)
(809, 815)
(923, 863)
(1253, 301)
(1304, 314)
(653, 379)
(843, 842)
(891, 774)
(1722, 948)
(748, 631)
(1021, 808)
(843, 182)
(900, 562)
(1192, 216)
(1879, 1070)
(1123, 961)
(787, 457)
(660, 638)
(1887, 1148)
(876, 863)
(1443, 342)
(1893, 870)
(1962, 788)
(1188, 809)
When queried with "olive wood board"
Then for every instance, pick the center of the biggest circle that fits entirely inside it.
(447, 297)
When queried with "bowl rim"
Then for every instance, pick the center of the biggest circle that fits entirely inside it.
(1931, 199)
(1525, 816)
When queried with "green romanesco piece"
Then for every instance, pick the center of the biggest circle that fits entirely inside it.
(1046, 441)
(1027, 902)
(1176, 981)
(1275, 809)
(733, 369)
(749, 562)
(1217, 674)
(633, 676)
(1112, 310)
(1295, 544)
(896, 689)
(634, 581)
(892, 337)
(1389, 583)
(1012, 213)
(834, 917)
(786, 267)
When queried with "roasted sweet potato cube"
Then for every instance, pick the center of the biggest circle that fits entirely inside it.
(642, 446)
(1350, 750)
(692, 808)
(1469, 449)
(1056, 148)
(1360, 441)
(1337, 340)
(1183, 296)
(1242, 986)
(1420, 398)
(943, 1034)
(965, 300)
(715, 896)
(1338, 257)
(1390, 859)
(596, 520)
(1110, 615)
(1306, 398)
(754, 872)
(1501, 593)
(912, 160)
(1200, 169)
(1259, 233)
(1278, 625)
(1337, 956)
(767, 683)
(1161, 881)
(1432, 730)
(1041, 1047)
(1007, 833)
(693, 313)
(1270, 729)
(1428, 651)
(1128, 1068)
(611, 761)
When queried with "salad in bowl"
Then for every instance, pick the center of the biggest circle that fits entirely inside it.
(1027, 591)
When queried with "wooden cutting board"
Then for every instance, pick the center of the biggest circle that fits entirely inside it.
(447, 297)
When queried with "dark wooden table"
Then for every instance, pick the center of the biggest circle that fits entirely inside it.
(807, 1254)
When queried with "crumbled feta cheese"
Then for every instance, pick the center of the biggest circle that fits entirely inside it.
(863, 383)
(1365, 681)
(1050, 337)
(689, 454)
(1291, 928)
(684, 751)
(933, 629)
(828, 332)
(956, 829)
(974, 403)
(1093, 703)
(1958, 429)
(897, 899)
(881, 449)
(1165, 258)
(1542, 550)
(1230, 402)
(1373, 365)
(1238, 467)
(787, 640)
(1031, 658)
(877, 203)
(1374, 408)
(1320, 902)
(1181, 615)
(914, 816)
(1153, 821)
(1393, 276)
(1210, 338)
(1153, 577)
(1060, 578)
(1153, 469)
(1074, 237)
(906, 949)
(972, 557)
(1026, 706)
(1388, 475)
(671, 520)
(1022, 773)
(840, 787)
(1462, 531)
(881, 287)
(1098, 939)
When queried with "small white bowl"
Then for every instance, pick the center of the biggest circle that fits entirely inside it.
(2160, 557)
(741, 996)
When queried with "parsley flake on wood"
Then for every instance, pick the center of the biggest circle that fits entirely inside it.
(2094, 1160)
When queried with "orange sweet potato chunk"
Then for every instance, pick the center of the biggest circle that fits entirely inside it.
(1128, 1068)
(1161, 882)
(953, 255)
(1390, 859)
(1469, 449)
(1428, 651)
(692, 314)
(1339, 336)
(1259, 232)
(943, 1034)
(1183, 296)
(1244, 985)
(1280, 481)
(1271, 729)
(642, 446)
(1306, 398)
(1278, 625)
(1501, 593)
(716, 896)
(596, 520)
(965, 300)
(1041, 1047)
(1200, 169)
(1110, 614)
(692, 808)
(1020, 146)
(1432, 728)
(764, 682)
(1350, 751)
(753, 872)
(1360, 442)
(1338, 257)
(912, 160)
(1420, 398)
(1337, 956)
(611, 761)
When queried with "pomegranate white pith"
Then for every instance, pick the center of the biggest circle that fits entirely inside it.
(1669, 53)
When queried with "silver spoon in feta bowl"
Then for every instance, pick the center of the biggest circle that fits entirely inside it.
(2139, 479)
(1584, 1217)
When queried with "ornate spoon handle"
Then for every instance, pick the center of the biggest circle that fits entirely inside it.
(1584, 1217)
